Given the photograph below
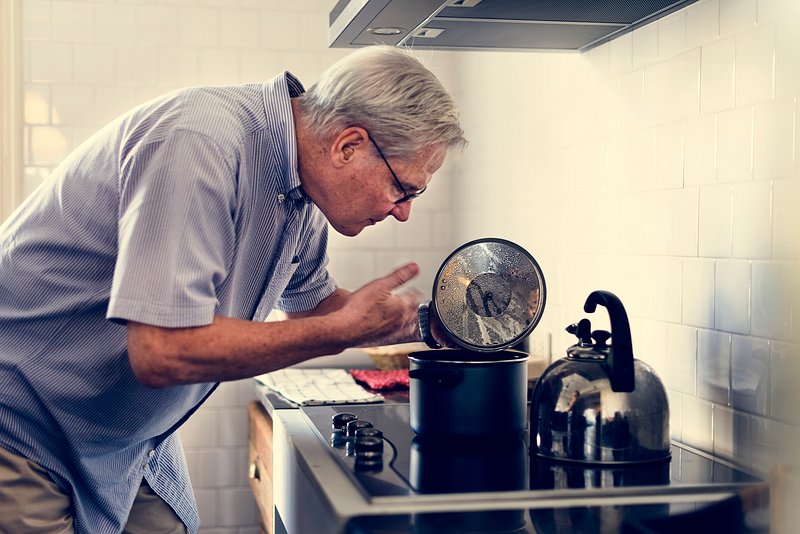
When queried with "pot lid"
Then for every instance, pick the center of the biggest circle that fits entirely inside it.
(489, 294)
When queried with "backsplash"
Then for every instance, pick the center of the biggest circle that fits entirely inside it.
(662, 166)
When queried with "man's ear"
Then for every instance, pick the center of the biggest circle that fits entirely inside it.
(347, 144)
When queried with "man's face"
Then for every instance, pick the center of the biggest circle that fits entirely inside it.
(367, 192)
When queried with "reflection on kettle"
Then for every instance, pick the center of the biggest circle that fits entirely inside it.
(599, 405)
(469, 465)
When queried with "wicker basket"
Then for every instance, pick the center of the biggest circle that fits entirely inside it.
(392, 357)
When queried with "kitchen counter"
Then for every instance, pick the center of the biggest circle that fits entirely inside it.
(312, 494)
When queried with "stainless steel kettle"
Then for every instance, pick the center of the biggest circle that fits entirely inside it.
(599, 405)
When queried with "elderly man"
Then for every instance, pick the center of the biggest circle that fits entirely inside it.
(140, 274)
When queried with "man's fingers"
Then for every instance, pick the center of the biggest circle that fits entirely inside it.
(398, 277)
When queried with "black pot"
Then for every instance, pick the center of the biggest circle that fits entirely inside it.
(465, 393)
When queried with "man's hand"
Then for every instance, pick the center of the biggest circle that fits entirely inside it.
(378, 315)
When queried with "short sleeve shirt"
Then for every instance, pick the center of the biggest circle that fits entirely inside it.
(187, 207)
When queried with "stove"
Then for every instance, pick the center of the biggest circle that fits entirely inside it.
(388, 459)
(388, 477)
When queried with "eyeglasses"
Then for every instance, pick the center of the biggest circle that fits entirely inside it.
(406, 195)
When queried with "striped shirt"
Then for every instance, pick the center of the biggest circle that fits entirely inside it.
(187, 207)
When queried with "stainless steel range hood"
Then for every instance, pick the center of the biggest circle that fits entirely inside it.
(575, 25)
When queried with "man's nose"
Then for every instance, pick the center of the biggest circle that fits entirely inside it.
(401, 212)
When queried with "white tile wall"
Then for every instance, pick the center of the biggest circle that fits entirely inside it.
(662, 166)
(683, 190)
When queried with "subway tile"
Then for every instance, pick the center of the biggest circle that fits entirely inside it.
(669, 155)
(731, 435)
(136, 64)
(715, 222)
(667, 289)
(750, 374)
(736, 16)
(73, 104)
(658, 101)
(226, 395)
(93, 63)
(37, 20)
(37, 105)
(785, 373)
(675, 415)
(208, 506)
(237, 507)
(698, 292)
(156, 24)
(49, 145)
(755, 51)
(49, 62)
(700, 163)
(177, 66)
(72, 21)
(752, 224)
(620, 55)
(672, 34)
(773, 139)
(416, 232)
(714, 366)
(256, 66)
(218, 67)
(682, 358)
(787, 50)
(717, 76)
(201, 429)
(114, 23)
(772, 300)
(697, 430)
(198, 26)
(352, 268)
(702, 23)
(240, 28)
(233, 427)
(732, 296)
(773, 444)
(684, 85)
(631, 100)
(651, 346)
(734, 145)
(218, 468)
(682, 222)
(279, 31)
(111, 101)
(644, 42)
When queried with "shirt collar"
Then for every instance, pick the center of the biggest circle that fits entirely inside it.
(279, 112)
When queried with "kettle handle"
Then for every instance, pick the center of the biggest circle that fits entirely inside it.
(620, 358)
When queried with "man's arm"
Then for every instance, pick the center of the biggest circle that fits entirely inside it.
(230, 349)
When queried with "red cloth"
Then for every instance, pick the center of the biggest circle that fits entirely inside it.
(379, 380)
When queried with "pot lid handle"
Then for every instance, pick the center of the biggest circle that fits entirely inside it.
(620, 357)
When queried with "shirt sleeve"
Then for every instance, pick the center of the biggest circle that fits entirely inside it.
(311, 283)
(176, 231)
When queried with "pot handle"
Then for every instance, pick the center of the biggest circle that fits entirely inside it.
(443, 378)
(620, 357)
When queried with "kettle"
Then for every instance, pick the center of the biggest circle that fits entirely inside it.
(599, 405)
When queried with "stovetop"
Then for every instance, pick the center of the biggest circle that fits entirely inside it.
(401, 463)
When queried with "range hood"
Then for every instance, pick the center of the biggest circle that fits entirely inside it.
(573, 25)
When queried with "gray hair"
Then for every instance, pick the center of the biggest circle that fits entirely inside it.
(390, 93)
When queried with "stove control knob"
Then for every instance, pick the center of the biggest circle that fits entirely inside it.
(352, 426)
(340, 420)
(369, 446)
(368, 431)
(338, 438)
